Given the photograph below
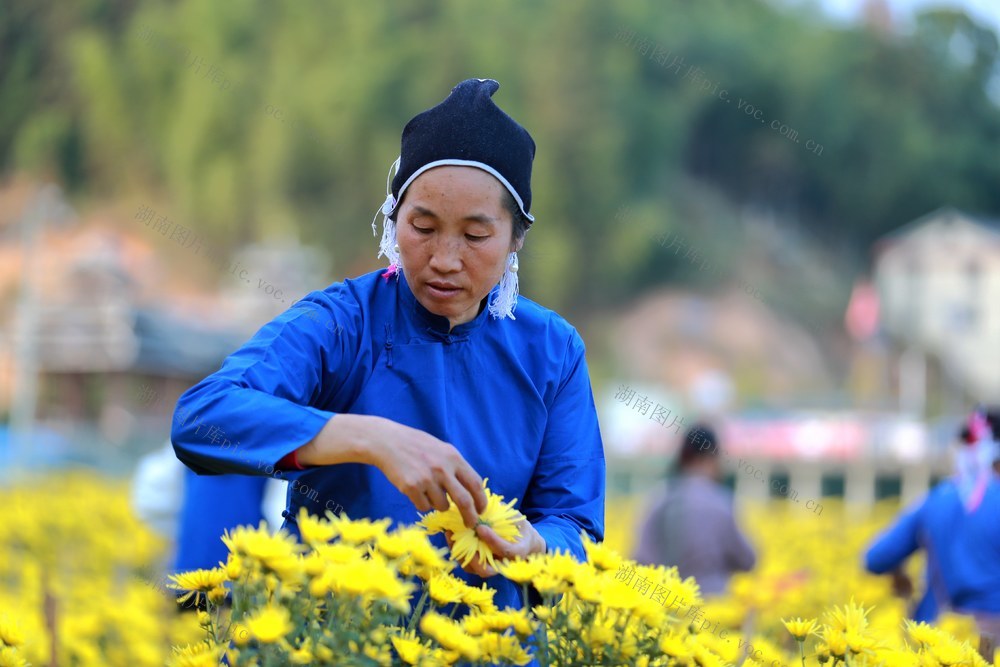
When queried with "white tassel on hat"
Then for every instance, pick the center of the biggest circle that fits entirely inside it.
(387, 245)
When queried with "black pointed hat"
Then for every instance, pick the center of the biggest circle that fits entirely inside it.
(467, 129)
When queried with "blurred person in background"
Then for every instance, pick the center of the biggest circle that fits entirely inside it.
(394, 391)
(957, 524)
(690, 521)
(194, 511)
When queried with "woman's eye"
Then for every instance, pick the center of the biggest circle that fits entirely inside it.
(471, 237)
(423, 230)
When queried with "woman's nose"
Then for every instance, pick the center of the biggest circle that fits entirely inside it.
(446, 257)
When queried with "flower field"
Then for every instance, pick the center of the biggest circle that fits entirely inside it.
(77, 591)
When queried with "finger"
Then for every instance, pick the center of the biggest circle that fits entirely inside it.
(439, 500)
(471, 481)
(479, 568)
(419, 500)
(463, 500)
(500, 547)
(489, 536)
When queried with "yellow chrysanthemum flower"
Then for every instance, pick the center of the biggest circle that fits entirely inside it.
(480, 599)
(823, 653)
(851, 616)
(450, 635)
(675, 646)
(441, 522)
(9, 657)
(600, 555)
(589, 585)
(650, 612)
(314, 530)
(688, 591)
(466, 545)
(339, 553)
(924, 634)
(410, 649)
(499, 621)
(599, 635)
(10, 633)
(562, 566)
(619, 596)
(799, 628)
(324, 654)
(278, 552)
(948, 653)
(859, 642)
(217, 595)
(377, 653)
(521, 570)
(425, 560)
(234, 568)
(445, 589)
(628, 646)
(197, 582)
(706, 658)
(370, 578)
(546, 584)
(400, 543)
(302, 655)
(198, 655)
(503, 649)
(269, 624)
(358, 531)
(542, 613)
(239, 633)
(897, 659)
(835, 641)
(420, 653)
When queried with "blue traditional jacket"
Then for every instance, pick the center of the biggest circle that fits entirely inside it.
(513, 396)
(963, 550)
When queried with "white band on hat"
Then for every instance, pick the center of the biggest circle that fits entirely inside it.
(464, 163)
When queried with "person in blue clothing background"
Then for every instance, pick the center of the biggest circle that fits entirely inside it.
(193, 512)
(212, 505)
(958, 526)
(386, 393)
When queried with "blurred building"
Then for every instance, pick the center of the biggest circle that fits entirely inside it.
(938, 279)
(105, 322)
(110, 368)
(758, 379)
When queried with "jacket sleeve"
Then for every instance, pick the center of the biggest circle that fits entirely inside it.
(261, 404)
(567, 489)
(896, 544)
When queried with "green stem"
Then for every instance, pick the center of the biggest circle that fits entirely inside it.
(541, 635)
(802, 651)
(417, 611)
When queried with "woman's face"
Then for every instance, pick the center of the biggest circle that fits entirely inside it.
(454, 236)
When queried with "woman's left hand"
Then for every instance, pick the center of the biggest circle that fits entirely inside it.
(530, 542)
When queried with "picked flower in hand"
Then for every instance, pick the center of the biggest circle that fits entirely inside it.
(501, 517)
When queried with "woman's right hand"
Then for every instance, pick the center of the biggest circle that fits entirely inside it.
(427, 470)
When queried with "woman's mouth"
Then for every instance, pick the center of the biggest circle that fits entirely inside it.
(442, 290)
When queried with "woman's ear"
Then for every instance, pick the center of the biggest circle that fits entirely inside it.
(518, 244)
